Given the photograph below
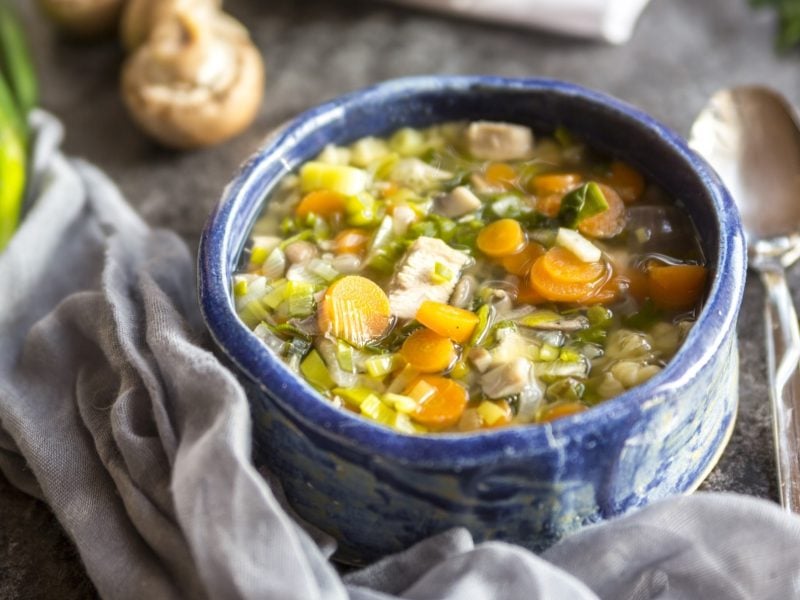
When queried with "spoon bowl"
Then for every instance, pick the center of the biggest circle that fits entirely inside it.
(751, 136)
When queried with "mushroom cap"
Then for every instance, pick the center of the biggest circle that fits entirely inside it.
(84, 18)
(140, 17)
(198, 81)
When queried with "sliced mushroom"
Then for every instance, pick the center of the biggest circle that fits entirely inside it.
(140, 17)
(197, 81)
(84, 18)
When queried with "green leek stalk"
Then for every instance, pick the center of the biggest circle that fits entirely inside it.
(13, 162)
(18, 95)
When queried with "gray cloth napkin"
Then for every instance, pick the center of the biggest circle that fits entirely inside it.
(115, 413)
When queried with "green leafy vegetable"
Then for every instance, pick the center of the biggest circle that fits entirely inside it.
(581, 203)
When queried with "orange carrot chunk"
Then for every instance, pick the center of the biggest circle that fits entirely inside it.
(627, 181)
(563, 265)
(355, 309)
(501, 175)
(676, 287)
(441, 401)
(501, 238)
(448, 321)
(320, 202)
(564, 291)
(564, 409)
(521, 262)
(428, 352)
(608, 223)
(351, 241)
(554, 183)
(549, 205)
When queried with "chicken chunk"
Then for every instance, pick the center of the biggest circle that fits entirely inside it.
(488, 140)
(413, 281)
(507, 379)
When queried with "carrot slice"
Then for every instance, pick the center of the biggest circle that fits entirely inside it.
(676, 287)
(448, 321)
(428, 352)
(554, 183)
(355, 309)
(557, 411)
(608, 223)
(500, 174)
(441, 401)
(320, 202)
(526, 294)
(563, 265)
(351, 241)
(549, 205)
(501, 238)
(560, 291)
(626, 180)
(520, 263)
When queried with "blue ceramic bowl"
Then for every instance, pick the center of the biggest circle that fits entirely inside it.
(377, 491)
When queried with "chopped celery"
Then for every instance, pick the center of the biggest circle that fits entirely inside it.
(548, 353)
(485, 319)
(277, 295)
(578, 245)
(403, 424)
(239, 286)
(360, 210)
(253, 313)
(337, 178)
(367, 150)
(423, 228)
(381, 365)
(441, 273)
(490, 412)
(353, 396)
(400, 402)
(508, 206)
(592, 335)
(373, 408)
(460, 370)
(316, 372)
(323, 269)
(581, 203)
(565, 390)
(334, 155)
(539, 317)
(275, 264)
(599, 316)
(299, 296)
(258, 255)
(408, 142)
(345, 356)
(569, 355)
(552, 371)
(382, 167)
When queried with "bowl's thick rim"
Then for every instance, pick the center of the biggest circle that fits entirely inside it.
(306, 406)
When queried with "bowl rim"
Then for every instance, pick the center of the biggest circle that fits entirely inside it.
(310, 410)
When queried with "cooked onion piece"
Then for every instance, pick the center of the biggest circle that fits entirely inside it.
(197, 81)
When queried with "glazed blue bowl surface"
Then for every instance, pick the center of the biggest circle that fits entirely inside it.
(377, 491)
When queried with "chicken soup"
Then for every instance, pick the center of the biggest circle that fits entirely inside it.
(470, 276)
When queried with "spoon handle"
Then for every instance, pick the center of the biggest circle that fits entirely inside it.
(783, 356)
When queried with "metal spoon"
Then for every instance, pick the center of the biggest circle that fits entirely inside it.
(750, 135)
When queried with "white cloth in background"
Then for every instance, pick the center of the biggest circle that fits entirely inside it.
(609, 20)
(115, 412)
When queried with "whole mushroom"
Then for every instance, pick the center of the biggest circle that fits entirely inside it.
(140, 17)
(84, 18)
(196, 81)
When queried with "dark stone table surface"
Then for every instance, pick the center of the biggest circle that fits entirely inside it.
(682, 51)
